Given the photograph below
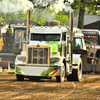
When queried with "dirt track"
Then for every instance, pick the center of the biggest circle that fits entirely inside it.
(46, 89)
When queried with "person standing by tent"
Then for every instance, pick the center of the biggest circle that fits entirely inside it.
(96, 60)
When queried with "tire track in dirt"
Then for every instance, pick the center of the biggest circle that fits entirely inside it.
(57, 95)
(14, 91)
(68, 94)
(87, 88)
(41, 92)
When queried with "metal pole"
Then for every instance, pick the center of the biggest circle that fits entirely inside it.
(71, 35)
(28, 22)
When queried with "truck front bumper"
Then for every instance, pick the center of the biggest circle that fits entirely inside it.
(38, 71)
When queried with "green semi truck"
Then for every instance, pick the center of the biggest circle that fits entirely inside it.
(48, 55)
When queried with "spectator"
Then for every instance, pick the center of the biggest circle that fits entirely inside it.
(96, 60)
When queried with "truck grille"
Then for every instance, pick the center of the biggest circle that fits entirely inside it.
(38, 55)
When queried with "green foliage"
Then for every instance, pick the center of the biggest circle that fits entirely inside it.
(9, 16)
(91, 9)
(22, 15)
(12, 16)
(1, 19)
(37, 15)
(62, 17)
(91, 6)
(76, 4)
(41, 15)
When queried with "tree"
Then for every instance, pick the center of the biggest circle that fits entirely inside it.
(62, 17)
(81, 15)
(12, 10)
(44, 10)
(39, 14)
(92, 6)
(22, 15)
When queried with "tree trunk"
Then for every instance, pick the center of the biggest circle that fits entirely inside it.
(81, 15)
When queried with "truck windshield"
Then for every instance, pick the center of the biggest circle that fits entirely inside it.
(91, 40)
(19, 36)
(45, 37)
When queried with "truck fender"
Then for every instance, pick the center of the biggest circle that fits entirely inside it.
(76, 58)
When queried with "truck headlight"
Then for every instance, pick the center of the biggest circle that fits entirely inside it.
(22, 58)
(54, 59)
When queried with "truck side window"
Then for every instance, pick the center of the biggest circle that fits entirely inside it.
(77, 43)
(64, 36)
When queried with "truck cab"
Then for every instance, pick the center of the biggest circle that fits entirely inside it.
(92, 41)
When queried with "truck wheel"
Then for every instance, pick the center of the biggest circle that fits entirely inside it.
(76, 73)
(62, 74)
(19, 77)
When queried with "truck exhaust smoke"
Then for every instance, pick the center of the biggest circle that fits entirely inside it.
(68, 8)
(42, 4)
(11, 6)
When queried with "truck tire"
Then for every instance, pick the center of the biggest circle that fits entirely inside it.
(62, 74)
(19, 77)
(76, 73)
